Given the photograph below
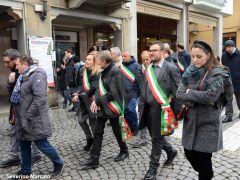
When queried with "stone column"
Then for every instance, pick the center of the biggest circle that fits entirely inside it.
(133, 28)
(182, 27)
(217, 37)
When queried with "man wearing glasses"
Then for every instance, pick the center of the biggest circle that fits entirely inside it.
(9, 57)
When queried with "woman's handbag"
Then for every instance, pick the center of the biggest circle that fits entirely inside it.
(183, 112)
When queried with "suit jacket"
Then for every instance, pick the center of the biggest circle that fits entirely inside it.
(169, 79)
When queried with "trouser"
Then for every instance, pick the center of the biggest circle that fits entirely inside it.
(201, 162)
(86, 127)
(143, 135)
(45, 147)
(159, 142)
(130, 114)
(229, 105)
(14, 152)
(98, 136)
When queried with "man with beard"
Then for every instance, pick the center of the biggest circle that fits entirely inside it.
(159, 88)
(9, 57)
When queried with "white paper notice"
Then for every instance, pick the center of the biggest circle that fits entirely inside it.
(41, 51)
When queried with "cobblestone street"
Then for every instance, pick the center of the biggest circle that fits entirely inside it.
(69, 140)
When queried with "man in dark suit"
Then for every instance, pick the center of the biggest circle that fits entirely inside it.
(167, 77)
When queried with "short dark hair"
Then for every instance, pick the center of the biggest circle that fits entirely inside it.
(27, 59)
(69, 50)
(75, 59)
(180, 45)
(159, 43)
(11, 53)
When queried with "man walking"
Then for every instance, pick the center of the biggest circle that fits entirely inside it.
(32, 119)
(231, 59)
(132, 79)
(183, 57)
(159, 86)
(9, 57)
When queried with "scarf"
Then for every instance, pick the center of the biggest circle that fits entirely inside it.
(15, 97)
(193, 72)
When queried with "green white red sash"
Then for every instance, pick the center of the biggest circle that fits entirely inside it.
(126, 72)
(168, 120)
(115, 107)
(86, 83)
(180, 66)
(143, 68)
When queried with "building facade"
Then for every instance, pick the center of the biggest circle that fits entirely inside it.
(129, 24)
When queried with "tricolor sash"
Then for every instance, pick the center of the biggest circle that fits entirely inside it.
(168, 120)
(86, 83)
(180, 66)
(143, 68)
(116, 108)
(126, 72)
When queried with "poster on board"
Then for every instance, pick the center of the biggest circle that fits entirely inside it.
(41, 51)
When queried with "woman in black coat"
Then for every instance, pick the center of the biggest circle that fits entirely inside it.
(88, 81)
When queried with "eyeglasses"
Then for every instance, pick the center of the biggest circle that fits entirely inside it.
(7, 62)
(154, 50)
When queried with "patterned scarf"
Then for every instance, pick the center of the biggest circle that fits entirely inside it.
(15, 97)
(193, 72)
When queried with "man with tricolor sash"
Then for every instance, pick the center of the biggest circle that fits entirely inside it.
(156, 106)
(132, 79)
(109, 105)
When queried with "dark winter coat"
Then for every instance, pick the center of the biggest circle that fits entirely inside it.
(132, 89)
(10, 86)
(202, 127)
(70, 74)
(61, 79)
(233, 63)
(184, 58)
(113, 81)
(32, 117)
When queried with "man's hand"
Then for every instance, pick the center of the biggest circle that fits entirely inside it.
(11, 77)
(94, 107)
(75, 98)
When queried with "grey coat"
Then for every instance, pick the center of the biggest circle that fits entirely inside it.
(31, 113)
(202, 127)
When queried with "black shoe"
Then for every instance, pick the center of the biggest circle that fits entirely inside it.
(89, 145)
(140, 144)
(121, 156)
(71, 110)
(58, 170)
(9, 163)
(64, 106)
(227, 119)
(20, 175)
(36, 159)
(91, 164)
(170, 158)
(151, 174)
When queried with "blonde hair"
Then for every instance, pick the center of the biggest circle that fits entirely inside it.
(95, 68)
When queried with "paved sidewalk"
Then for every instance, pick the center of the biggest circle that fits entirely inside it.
(69, 140)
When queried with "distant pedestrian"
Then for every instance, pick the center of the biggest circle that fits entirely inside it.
(201, 91)
(231, 59)
(183, 56)
(32, 118)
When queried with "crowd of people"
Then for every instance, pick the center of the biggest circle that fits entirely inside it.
(111, 85)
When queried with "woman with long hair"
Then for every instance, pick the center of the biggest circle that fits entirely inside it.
(201, 91)
(88, 80)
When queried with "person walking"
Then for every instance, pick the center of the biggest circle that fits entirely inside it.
(132, 80)
(160, 85)
(88, 81)
(32, 118)
(231, 59)
(9, 57)
(184, 59)
(108, 104)
(200, 91)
